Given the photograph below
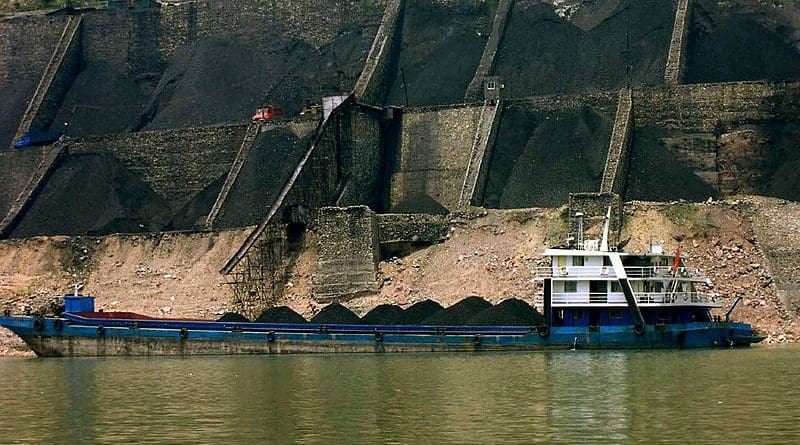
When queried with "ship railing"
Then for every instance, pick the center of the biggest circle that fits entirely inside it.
(641, 298)
(608, 272)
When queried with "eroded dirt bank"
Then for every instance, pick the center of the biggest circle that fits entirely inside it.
(175, 274)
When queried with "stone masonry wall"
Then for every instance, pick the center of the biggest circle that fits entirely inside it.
(378, 74)
(22, 61)
(347, 253)
(434, 150)
(676, 57)
(177, 163)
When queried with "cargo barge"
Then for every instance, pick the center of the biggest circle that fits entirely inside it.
(593, 298)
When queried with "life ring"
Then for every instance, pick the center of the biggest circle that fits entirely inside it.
(543, 330)
(638, 329)
(379, 337)
(184, 333)
(58, 324)
(38, 324)
(271, 336)
(101, 331)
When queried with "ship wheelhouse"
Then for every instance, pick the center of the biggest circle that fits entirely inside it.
(593, 287)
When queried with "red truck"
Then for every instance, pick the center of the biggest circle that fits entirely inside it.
(266, 112)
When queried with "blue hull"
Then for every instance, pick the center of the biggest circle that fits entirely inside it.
(75, 336)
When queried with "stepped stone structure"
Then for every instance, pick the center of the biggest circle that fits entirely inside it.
(615, 171)
(56, 80)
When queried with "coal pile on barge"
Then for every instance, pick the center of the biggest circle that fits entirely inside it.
(418, 312)
(387, 314)
(335, 313)
(459, 313)
(511, 312)
(280, 314)
(233, 317)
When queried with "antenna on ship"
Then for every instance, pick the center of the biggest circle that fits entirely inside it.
(606, 223)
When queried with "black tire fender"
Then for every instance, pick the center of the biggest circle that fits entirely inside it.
(271, 336)
(543, 330)
(101, 331)
(184, 333)
(379, 337)
(638, 329)
(58, 324)
(38, 324)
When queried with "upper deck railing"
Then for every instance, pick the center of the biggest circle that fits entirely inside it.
(634, 272)
(617, 298)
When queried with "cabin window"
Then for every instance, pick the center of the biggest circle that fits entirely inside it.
(571, 286)
(577, 261)
(491, 85)
(616, 287)
(615, 314)
(606, 261)
(561, 261)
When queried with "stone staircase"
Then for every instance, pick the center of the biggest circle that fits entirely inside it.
(676, 57)
(46, 83)
(620, 139)
(27, 195)
(486, 65)
(244, 149)
(483, 133)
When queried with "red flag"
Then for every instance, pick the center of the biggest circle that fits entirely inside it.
(676, 262)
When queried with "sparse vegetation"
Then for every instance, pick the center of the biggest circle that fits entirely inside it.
(692, 218)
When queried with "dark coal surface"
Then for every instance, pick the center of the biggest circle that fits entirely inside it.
(656, 174)
(335, 313)
(194, 212)
(418, 312)
(270, 163)
(783, 162)
(16, 93)
(418, 202)
(93, 194)
(280, 314)
(384, 314)
(727, 44)
(540, 158)
(224, 78)
(512, 312)
(459, 313)
(440, 51)
(103, 99)
(233, 317)
(542, 53)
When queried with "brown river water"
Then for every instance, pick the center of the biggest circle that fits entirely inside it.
(709, 396)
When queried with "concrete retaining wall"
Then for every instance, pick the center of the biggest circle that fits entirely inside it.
(433, 156)
(376, 79)
(177, 163)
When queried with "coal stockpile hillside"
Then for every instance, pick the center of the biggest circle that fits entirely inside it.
(511, 312)
(224, 78)
(280, 314)
(543, 53)
(459, 313)
(656, 174)
(233, 317)
(103, 99)
(440, 51)
(540, 158)
(729, 44)
(194, 212)
(780, 178)
(335, 313)
(93, 194)
(269, 165)
(418, 312)
(388, 314)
